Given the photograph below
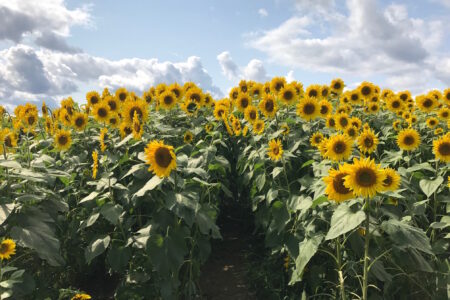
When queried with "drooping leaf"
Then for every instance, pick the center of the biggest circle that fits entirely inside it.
(344, 219)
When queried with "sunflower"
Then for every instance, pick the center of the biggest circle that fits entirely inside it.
(441, 148)
(113, 103)
(337, 86)
(114, 120)
(342, 121)
(288, 94)
(438, 131)
(137, 127)
(101, 112)
(391, 180)
(121, 94)
(81, 297)
(234, 93)
(426, 103)
(408, 139)
(323, 147)
(397, 125)
(237, 127)
(209, 127)
(444, 113)
(339, 147)
(336, 190)
(316, 139)
(251, 114)
(324, 91)
(298, 88)
(167, 100)
(103, 136)
(394, 104)
(373, 108)
(62, 139)
(432, 122)
(243, 100)
(325, 108)
(352, 132)
(366, 89)
(188, 137)
(355, 121)
(344, 98)
(94, 164)
(130, 107)
(446, 96)
(7, 249)
(258, 127)
(386, 93)
(220, 111)
(148, 96)
(196, 95)
(276, 84)
(268, 106)
(176, 89)
(243, 86)
(404, 95)
(93, 98)
(190, 107)
(79, 121)
(308, 109)
(256, 90)
(355, 97)
(285, 128)
(48, 125)
(364, 178)
(313, 91)
(367, 141)
(125, 129)
(161, 158)
(275, 150)
(208, 100)
(189, 85)
(331, 122)
(245, 131)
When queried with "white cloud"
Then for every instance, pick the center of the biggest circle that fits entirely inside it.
(368, 41)
(45, 20)
(254, 70)
(290, 76)
(262, 12)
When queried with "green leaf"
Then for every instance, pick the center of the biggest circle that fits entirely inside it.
(111, 212)
(96, 247)
(260, 181)
(309, 162)
(319, 201)
(89, 197)
(118, 258)
(133, 169)
(430, 186)
(276, 171)
(150, 185)
(404, 236)
(307, 249)
(280, 216)
(344, 219)
(10, 164)
(5, 211)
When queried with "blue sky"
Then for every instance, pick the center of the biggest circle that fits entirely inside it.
(51, 49)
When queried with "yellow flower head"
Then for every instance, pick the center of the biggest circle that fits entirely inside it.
(268, 106)
(188, 137)
(316, 139)
(391, 181)
(161, 158)
(79, 121)
(308, 109)
(336, 190)
(94, 164)
(408, 139)
(339, 147)
(62, 139)
(337, 86)
(258, 127)
(7, 249)
(364, 178)
(81, 297)
(251, 114)
(275, 150)
(288, 94)
(441, 148)
(367, 141)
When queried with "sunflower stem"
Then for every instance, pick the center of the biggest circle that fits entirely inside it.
(339, 265)
(366, 250)
(435, 205)
(286, 177)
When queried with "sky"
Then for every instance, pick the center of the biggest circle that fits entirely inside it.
(52, 49)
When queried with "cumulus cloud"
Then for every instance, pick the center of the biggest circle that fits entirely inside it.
(368, 40)
(254, 70)
(40, 74)
(262, 12)
(46, 20)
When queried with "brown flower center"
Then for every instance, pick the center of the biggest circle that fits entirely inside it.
(309, 109)
(288, 95)
(163, 157)
(112, 105)
(368, 142)
(102, 112)
(312, 93)
(244, 102)
(79, 122)
(395, 104)
(122, 96)
(388, 181)
(62, 140)
(94, 100)
(365, 177)
(269, 106)
(338, 184)
(427, 103)
(444, 149)
(323, 109)
(409, 140)
(366, 90)
(339, 147)
(135, 110)
(8, 141)
(343, 121)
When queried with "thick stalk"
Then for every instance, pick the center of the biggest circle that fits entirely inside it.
(340, 274)
(366, 250)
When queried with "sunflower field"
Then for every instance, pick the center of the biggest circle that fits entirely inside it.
(349, 189)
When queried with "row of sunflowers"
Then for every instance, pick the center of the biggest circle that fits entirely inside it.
(349, 188)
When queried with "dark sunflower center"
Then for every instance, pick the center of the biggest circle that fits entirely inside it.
(244, 88)
(234, 95)
(94, 100)
(168, 100)
(331, 122)
(220, 112)
(196, 97)
(343, 122)
(366, 90)
(368, 142)
(244, 102)
(312, 93)
(275, 150)
(324, 109)
(269, 106)
(337, 86)
(253, 115)
(122, 96)
(163, 157)
(8, 141)
(112, 104)
(366, 177)
(31, 120)
(192, 106)
(288, 95)
(317, 139)
(79, 122)
(113, 121)
(351, 132)
(445, 114)
(324, 92)
(135, 110)
(176, 92)
(409, 140)
(309, 109)
(256, 92)
(395, 104)
(427, 103)
(387, 181)
(148, 98)
(354, 97)
(102, 112)
(432, 122)
(278, 86)
(447, 96)
(127, 130)
(338, 184)
(3, 248)
(62, 140)
(340, 147)
(444, 149)
(374, 108)
(404, 97)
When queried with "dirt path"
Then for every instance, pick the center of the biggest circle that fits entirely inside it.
(223, 276)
